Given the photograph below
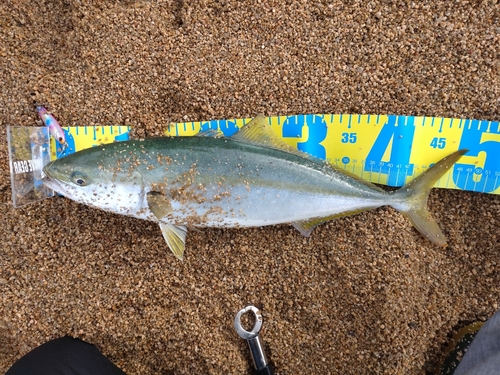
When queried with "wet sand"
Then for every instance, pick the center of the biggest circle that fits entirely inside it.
(364, 294)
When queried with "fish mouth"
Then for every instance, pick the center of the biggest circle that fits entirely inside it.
(49, 181)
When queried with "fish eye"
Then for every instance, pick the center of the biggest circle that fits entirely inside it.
(79, 178)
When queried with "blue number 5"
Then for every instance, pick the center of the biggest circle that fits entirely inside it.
(471, 139)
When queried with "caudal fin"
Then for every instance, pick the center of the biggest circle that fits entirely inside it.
(417, 191)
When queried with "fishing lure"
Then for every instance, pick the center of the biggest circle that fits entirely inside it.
(55, 129)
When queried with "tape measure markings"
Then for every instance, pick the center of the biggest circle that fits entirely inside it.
(385, 149)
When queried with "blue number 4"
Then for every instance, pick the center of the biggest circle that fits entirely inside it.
(402, 139)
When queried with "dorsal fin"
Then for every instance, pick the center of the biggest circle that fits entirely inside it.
(259, 132)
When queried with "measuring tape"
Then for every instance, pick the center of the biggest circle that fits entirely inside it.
(82, 137)
(386, 149)
(383, 149)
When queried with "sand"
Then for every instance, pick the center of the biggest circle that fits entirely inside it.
(364, 294)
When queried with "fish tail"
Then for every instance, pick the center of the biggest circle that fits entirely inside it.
(416, 193)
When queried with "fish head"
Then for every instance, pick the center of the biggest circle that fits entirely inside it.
(92, 178)
(71, 181)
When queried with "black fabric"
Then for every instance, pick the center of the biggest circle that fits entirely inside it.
(64, 356)
(483, 355)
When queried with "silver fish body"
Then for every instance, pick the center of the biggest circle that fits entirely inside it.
(245, 181)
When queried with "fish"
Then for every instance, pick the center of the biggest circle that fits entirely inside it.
(55, 129)
(250, 179)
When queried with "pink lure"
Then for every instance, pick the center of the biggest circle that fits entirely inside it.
(55, 129)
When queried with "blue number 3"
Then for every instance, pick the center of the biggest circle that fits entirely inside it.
(292, 128)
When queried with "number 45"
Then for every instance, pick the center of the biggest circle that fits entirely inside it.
(438, 142)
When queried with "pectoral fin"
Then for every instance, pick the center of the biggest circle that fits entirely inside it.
(158, 204)
(175, 236)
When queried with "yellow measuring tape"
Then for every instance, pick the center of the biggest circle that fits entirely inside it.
(384, 149)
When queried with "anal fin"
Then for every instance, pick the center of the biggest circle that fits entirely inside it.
(305, 227)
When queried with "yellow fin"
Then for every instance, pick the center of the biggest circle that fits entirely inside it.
(210, 133)
(417, 192)
(260, 132)
(306, 227)
(425, 224)
(175, 236)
